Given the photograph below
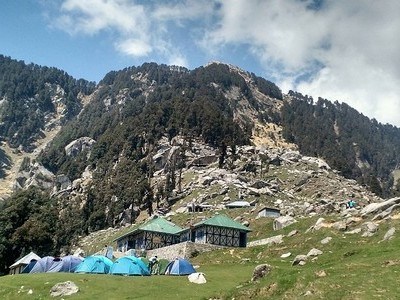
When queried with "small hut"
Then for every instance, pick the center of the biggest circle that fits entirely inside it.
(269, 212)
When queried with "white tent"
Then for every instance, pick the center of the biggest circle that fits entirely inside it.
(20, 264)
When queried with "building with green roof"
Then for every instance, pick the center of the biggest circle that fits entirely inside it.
(158, 232)
(155, 233)
(220, 230)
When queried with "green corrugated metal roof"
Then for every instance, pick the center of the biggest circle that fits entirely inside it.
(222, 221)
(156, 225)
(161, 225)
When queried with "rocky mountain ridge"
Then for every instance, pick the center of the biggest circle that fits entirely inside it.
(253, 108)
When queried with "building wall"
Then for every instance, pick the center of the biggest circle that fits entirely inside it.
(218, 236)
(181, 250)
(269, 213)
(146, 240)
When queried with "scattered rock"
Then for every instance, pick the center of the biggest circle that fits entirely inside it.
(354, 231)
(308, 293)
(314, 252)
(79, 145)
(340, 225)
(261, 271)
(389, 234)
(300, 260)
(320, 273)
(390, 263)
(286, 255)
(370, 228)
(64, 289)
(274, 240)
(386, 213)
(318, 225)
(293, 232)
(282, 222)
(326, 240)
(378, 207)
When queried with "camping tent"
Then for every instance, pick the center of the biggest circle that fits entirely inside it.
(65, 264)
(97, 264)
(179, 267)
(42, 265)
(29, 266)
(21, 264)
(129, 265)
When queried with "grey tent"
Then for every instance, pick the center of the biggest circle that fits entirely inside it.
(43, 265)
(65, 264)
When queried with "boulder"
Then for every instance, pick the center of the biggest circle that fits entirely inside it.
(389, 234)
(79, 145)
(246, 223)
(300, 260)
(274, 240)
(386, 213)
(340, 225)
(261, 271)
(292, 233)
(354, 231)
(326, 240)
(314, 252)
(258, 184)
(318, 225)
(374, 208)
(66, 288)
(369, 229)
(282, 222)
(291, 156)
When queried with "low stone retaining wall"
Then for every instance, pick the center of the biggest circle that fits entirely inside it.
(181, 250)
(268, 241)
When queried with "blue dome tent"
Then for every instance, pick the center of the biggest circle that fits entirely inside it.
(96, 264)
(129, 266)
(42, 265)
(65, 264)
(179, 267)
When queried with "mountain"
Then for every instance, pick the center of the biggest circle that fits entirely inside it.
(145, 138)
(35, 102)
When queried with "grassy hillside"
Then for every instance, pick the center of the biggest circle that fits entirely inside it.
(351, 267)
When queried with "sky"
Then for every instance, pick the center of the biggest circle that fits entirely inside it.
(345, 50)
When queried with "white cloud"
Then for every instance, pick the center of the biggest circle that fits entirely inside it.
(134, 47)
(184, 10)
(137, 29)
(346, 50)
(93, 16)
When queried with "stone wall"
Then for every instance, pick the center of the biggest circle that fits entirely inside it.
(182, 250)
